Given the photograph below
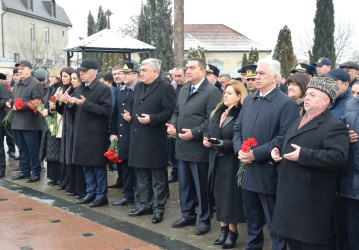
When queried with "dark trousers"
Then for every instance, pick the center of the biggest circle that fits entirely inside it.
(119, 174)
(129, 179)
(96, 180)
(297, 245)
(2, 152)
(258, 209)
(172, 156)
(347, 223)
(77, 182)
(152, 185)
(10, 138)
(27, 142)
(193, 187)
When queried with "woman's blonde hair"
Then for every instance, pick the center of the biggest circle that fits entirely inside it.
(55, 71)
(239, 88)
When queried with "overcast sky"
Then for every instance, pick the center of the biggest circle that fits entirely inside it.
(260, 20)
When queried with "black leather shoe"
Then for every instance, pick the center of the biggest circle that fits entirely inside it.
(11, 154)
(222, 237)
(183, 222)
(124, 201)
(61, 188)
(80, 196)
(141, 211)
(85, 200)
(19, 177)
(172, 179)
(99, 202)
(203, 228)
(51, 183)
(231, 240)
(70, 194)
(157, 218)
(33, 178)
(116, 185)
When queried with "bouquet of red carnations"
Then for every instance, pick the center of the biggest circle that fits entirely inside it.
(51, 120)
(112, 152)
(18, 105)
(246, 147)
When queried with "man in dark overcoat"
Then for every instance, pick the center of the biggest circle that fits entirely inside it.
(120, 130)
(4, 97)
(195, 103)
(152, 105)
(314, 147)
(26, 124)
(91, 105)
(265, 116)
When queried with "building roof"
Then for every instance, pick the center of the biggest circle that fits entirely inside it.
(217, 37)
(41, 10)
(110, 41)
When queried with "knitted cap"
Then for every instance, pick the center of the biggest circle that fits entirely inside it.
(325, 84)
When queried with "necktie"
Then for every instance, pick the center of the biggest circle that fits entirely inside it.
(192, 90)
(128, 91)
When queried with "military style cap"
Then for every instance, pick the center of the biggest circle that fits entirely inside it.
(339, 74)
(304, 68)
(350, 65)
(240, 70)
(211, 69)
(250, 71)
(326, 85)
(24, 63)
(323, 61)
(131, 67)
(88, 64)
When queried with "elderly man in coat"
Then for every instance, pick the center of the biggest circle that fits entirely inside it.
(152, 105)
(314, 147)
(91, 105)
(265, 116)
(195, 103)
(26, 124)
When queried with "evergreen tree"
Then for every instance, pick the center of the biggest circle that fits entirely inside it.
(155, 23)
(323, 32)
(101, 22)
(283, 51)
(245, 60)
(197, 52)
(91, 27)
(253, 56)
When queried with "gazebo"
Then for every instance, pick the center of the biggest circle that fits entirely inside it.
(109, 41)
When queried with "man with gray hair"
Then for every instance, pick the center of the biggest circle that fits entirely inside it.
(224, 79)
(152, 105)
(265, 116)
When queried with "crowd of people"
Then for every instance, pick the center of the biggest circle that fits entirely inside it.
(258, 149)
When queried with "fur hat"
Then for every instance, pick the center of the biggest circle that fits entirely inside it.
(325, 84)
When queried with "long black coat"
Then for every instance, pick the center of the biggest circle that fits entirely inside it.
(50, 145)
(223, 167)
(306, 188)
(192, 112)
(4, 97)
(148, 142)
(91, 136)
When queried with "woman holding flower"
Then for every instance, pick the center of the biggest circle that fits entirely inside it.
(223, 163)
(50, 145)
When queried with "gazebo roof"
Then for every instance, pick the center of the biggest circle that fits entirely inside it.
(110, 41)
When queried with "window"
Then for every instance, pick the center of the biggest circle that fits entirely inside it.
(218, 64)
(16, 57)
(32, 32)
(46, 34)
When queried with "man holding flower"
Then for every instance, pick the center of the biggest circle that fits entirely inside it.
(25, 124)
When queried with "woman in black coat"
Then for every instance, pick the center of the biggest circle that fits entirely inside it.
(76, 180)
(297, 85)
(224, 164)
(50, 145)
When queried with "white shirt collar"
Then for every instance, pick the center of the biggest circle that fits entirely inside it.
(197, 85)
(260, 93)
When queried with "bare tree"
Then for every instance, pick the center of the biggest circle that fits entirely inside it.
(131, 28)
(355, 56)
(344, 31)
(178, 39)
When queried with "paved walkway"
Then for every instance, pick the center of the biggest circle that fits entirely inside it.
(29, 224)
